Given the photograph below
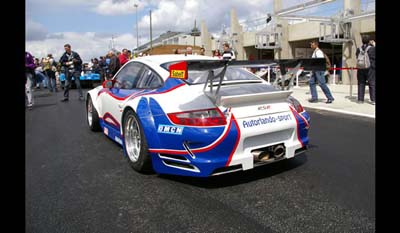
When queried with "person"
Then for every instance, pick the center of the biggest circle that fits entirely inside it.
(29, 77)
(371, 72)
(176, 51)
(123, 57)
(189, 50)
(202, 51)
(72, 63)
(363, 67)
(217, 54)
(96, 67)
(228, 53)
(114, 64)
(49, 69)
(103, 68)
(318, 76)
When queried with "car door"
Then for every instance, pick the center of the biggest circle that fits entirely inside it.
(125, 85)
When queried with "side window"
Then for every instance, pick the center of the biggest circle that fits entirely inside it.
(149, 79)
(128, 77)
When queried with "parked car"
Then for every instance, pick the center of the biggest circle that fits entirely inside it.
(196, 116)
(87, 78)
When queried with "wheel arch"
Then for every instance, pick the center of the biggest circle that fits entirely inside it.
(146, 120)
(93, 95)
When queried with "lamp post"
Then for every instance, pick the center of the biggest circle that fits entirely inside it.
(137, 28)
(195, 32)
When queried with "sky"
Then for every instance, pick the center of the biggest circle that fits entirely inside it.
(89, 25)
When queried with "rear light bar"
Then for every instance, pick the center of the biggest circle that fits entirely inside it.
(204, 117)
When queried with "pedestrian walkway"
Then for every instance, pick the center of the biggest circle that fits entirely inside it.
(345, 100)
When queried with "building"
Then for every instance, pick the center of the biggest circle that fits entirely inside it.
(294, 38)
(168, 42)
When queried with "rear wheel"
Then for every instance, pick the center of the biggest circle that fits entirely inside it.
(135, 144)
(92, 116)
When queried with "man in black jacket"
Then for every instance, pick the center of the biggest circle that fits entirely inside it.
(72, 63)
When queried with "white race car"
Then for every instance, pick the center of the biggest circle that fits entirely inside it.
(196, 116)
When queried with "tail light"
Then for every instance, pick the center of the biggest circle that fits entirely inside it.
(205, 117)
(295, 103)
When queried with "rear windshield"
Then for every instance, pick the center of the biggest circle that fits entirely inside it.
(231, 74)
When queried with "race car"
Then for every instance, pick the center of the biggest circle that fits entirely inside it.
(197, 116)
(87, 78)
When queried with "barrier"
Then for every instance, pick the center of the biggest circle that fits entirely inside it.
(351, 76)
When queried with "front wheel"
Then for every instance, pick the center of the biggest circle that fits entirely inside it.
(135, 144)
(92, 116)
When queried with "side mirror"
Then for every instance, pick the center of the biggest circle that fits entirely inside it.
(108, 84)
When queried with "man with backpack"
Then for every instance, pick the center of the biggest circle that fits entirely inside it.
(363, 55)
(318, 76)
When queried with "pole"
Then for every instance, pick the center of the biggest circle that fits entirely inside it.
(334, 75)
(269, 74)
(137, 28)
(194, 36)
(151, 36)
(351, 85)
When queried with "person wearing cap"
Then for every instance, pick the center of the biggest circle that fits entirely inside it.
(318, 76)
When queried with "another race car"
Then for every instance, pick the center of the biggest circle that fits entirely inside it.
(87, 78)
(197, 115)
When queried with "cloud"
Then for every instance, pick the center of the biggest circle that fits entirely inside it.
(179, 15)
(35, 31)
(59, 4)
(88, 45)
(117, 7)
(167, 15)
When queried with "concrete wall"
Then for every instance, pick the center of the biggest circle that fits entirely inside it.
(249, 39)
(303, 31)
(368, 25)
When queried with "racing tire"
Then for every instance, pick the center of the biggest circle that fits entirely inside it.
(135, 144)
(92, 116)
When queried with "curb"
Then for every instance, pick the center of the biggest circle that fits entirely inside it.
(342, 111)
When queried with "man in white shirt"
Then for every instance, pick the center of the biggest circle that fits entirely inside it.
(228, 54)
(318, 76)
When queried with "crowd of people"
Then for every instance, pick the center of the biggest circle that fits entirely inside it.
(46, 71)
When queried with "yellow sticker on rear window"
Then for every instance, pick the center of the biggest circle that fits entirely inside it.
(178, 74)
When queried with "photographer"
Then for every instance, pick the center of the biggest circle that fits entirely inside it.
(72, 63)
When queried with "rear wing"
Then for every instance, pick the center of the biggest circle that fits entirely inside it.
(288, 68)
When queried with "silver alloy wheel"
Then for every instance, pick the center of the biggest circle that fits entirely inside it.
(132, 138)
(90, 112)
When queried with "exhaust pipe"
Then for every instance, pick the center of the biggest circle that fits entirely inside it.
(279, 151)
(260, 155)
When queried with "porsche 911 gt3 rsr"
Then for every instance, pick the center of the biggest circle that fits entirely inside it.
(196, 116)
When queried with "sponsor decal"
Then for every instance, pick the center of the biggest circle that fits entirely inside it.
(105, 130)
(170, 129)
(266, 120)
(264, 107)
(178, 70)
(178, 74)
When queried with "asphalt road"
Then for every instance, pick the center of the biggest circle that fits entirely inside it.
(79, 181)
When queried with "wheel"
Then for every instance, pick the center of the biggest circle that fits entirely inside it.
(135, 144)
(92, 116)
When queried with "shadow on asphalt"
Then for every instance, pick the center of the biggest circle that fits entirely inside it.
(236, 178)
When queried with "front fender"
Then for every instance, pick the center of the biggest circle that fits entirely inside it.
(94, 94)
